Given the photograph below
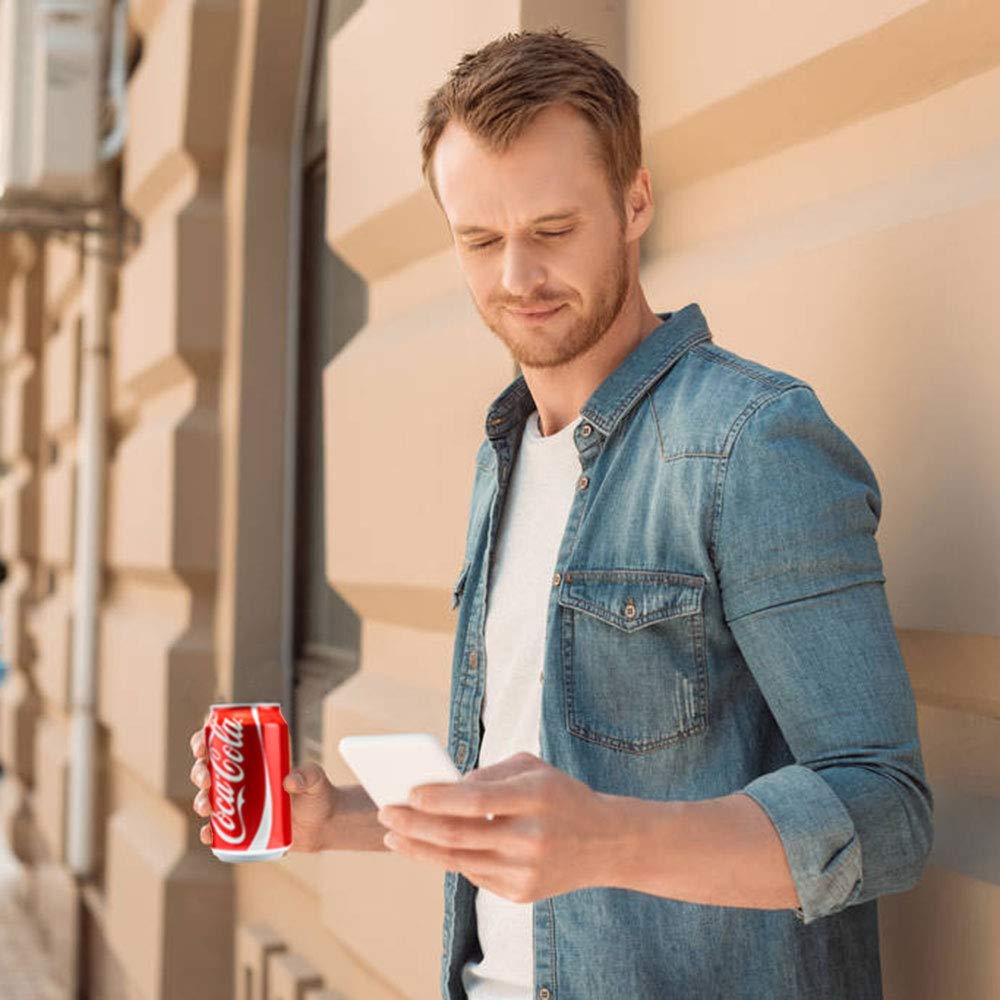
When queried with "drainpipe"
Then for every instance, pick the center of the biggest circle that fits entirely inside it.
(90, 472)
(91, 460)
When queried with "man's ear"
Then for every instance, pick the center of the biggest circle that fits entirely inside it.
(640, 203)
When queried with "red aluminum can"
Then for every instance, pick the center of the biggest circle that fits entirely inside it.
(248, 755)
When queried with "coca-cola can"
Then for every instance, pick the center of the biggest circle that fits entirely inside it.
(247, 753)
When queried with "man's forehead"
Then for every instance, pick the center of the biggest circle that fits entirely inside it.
(487, 197)
(539, 175)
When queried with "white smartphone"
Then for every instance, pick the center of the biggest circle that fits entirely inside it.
(389, 765)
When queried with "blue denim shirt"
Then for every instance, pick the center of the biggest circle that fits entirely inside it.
(719, 577)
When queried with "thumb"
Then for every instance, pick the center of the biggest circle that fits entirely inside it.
(506, 768)
(304, 778)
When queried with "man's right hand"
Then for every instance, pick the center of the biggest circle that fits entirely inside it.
(313, 799)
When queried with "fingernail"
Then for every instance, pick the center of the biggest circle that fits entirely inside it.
(295, 779)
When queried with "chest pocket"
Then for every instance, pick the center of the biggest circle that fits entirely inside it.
(633, 656)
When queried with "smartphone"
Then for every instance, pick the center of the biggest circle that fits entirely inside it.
(389, 765)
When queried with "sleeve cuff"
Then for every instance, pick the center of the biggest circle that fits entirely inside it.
(819, 837)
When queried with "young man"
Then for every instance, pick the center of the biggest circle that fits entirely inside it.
(676, 684)
(671, 597)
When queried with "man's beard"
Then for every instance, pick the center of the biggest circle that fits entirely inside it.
(547, 346)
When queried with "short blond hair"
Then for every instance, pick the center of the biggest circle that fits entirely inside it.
(496, 91)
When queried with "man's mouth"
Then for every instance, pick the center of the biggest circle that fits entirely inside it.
(536, 314)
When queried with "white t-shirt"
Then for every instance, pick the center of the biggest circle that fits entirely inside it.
(541, 489)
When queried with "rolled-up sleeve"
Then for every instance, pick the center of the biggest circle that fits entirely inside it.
(803, 593)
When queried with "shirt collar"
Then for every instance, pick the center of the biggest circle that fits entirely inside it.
(623, 388)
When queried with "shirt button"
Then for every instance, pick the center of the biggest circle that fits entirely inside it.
(543, 993)
(472, 658)
(556, 579)
(585, 430)
(582, 482)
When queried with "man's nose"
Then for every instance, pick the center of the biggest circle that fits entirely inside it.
(522, 273)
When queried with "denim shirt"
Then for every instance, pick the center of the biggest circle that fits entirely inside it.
(717, 622)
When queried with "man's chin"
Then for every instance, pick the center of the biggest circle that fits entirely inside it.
(539, 359)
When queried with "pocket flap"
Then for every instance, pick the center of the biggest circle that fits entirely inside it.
(630, 599)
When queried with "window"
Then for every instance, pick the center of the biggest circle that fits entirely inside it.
(333, 306)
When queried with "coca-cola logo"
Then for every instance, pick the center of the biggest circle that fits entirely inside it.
(228, 778)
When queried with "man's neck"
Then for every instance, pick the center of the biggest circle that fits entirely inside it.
(560, 392)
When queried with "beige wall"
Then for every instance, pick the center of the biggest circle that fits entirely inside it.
(20, 452)
(827, 189)
(828, 192)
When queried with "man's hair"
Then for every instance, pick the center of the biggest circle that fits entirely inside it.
(496, 92)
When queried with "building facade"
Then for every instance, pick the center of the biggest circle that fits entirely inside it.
(827, 188)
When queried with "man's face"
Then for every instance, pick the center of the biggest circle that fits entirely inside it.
(515, 260)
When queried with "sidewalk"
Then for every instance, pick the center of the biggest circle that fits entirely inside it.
(23, 965)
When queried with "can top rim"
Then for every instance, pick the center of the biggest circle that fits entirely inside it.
(245, 704)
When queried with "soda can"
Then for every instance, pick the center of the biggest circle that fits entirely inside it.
(247, 753)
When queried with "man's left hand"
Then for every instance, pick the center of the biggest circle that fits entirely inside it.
(550, 833)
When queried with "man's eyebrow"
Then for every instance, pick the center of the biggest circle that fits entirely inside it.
(565, 213)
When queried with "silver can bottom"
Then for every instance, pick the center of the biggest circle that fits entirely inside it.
(239, 856)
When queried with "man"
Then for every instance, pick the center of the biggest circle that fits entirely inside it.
(674, 663)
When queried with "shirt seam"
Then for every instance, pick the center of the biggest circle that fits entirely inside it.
(722, 468)
(712, 352)
(806, 597)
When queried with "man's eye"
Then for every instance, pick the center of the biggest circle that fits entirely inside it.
(488, 243)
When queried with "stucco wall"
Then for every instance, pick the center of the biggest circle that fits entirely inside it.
(828, 190)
